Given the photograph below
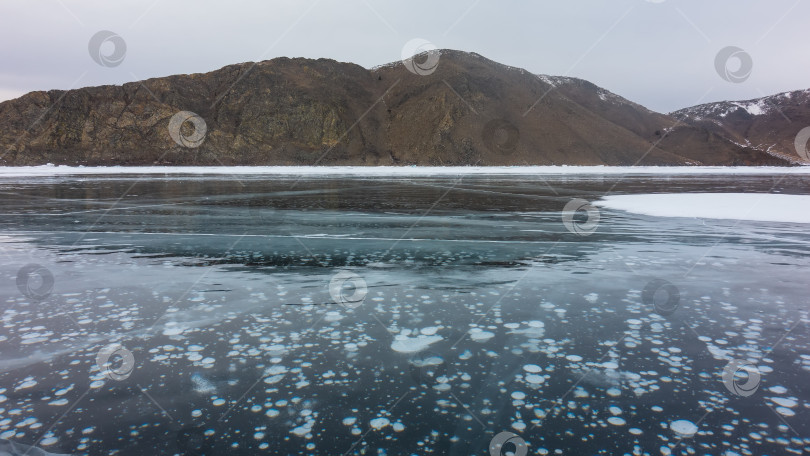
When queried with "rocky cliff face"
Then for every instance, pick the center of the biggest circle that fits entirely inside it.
(467, 110)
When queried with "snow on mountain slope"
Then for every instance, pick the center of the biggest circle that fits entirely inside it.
(769, 124)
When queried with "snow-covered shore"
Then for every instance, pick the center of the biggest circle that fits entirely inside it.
(50, 170)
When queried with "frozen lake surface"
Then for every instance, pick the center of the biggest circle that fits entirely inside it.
(262, 313)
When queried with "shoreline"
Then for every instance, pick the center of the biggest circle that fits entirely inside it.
(393, 171)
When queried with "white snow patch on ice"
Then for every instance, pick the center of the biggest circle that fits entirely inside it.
(379, 423)
(764, 207)
(684, 428)
(404, 344)
(479, 335)
(51, 170)
(535, 379)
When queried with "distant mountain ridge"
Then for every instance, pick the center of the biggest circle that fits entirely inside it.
(768, 124)
(466, 110)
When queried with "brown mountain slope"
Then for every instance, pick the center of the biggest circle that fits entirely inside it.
(693, 143)
(470, 110)
(768, 124)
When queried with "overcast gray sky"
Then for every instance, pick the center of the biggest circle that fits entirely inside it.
(660, 53)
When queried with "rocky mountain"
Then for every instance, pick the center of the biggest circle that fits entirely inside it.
(769, 124)
(443, 108)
